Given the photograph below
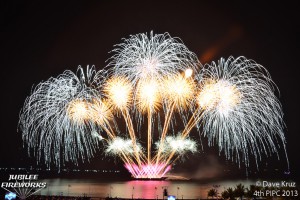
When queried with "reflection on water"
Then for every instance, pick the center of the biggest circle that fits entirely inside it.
(133, 189)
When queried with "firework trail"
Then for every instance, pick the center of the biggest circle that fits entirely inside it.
(147, 61)
(154, 85)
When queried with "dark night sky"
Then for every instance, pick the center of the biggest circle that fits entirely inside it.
(41, 40)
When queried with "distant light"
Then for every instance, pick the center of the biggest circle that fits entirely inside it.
(171, 198)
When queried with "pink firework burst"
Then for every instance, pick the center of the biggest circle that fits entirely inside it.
(148, 171)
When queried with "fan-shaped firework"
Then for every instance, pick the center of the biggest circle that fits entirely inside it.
(154, 78)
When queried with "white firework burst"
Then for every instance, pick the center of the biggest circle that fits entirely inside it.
(56, 120)
(151, 57)
(240, 110)
(119, 146)
(177, 144)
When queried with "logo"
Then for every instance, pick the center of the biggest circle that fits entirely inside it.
(22, 186)
(10, 196)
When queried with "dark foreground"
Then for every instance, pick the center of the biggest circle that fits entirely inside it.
(44, 197)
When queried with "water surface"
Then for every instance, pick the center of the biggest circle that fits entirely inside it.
(135, 188)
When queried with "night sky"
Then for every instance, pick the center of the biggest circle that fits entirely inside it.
(40, 40)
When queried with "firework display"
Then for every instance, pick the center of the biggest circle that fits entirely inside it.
(143, 107)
